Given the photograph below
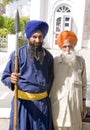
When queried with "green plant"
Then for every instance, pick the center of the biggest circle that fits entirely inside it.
(4, 32)
(9, 24)
(23, 21)
(1, 21)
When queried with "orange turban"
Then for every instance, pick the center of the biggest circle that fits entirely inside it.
(66, 35)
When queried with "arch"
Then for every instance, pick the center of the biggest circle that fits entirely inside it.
(63, 8)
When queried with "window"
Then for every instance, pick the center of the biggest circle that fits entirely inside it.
(62, 20)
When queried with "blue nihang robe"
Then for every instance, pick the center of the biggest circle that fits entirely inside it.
(35, 78)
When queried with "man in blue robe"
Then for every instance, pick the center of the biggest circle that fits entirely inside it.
(34, 80)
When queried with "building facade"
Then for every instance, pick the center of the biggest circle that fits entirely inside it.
(64, 15)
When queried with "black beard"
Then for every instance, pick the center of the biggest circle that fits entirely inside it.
(36, 52)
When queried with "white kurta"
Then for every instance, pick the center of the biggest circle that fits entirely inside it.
(68, 91)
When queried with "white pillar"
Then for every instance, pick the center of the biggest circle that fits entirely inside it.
(11, 42)
(79, 16)
(38, 10)
(35, 10)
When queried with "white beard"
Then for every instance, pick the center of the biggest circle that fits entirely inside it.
(69, 58)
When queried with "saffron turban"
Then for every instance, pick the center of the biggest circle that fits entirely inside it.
(66, 35)
(35, 25)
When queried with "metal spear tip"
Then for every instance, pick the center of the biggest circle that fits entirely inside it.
(17, 22)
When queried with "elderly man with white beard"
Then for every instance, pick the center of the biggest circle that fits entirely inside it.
(68, 93)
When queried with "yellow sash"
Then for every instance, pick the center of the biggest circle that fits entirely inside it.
(31, 96)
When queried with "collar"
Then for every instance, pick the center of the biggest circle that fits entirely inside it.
(60, 59)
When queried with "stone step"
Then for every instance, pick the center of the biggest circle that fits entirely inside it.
(4, 118)
(4, 123)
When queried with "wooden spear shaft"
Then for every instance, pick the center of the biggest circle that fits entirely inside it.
(16, 97)
(17, 29)
(16, 88)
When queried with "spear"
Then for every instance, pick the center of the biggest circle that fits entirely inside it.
(17, 29)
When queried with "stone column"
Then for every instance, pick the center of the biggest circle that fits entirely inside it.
(11, 42)
(38, 9)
